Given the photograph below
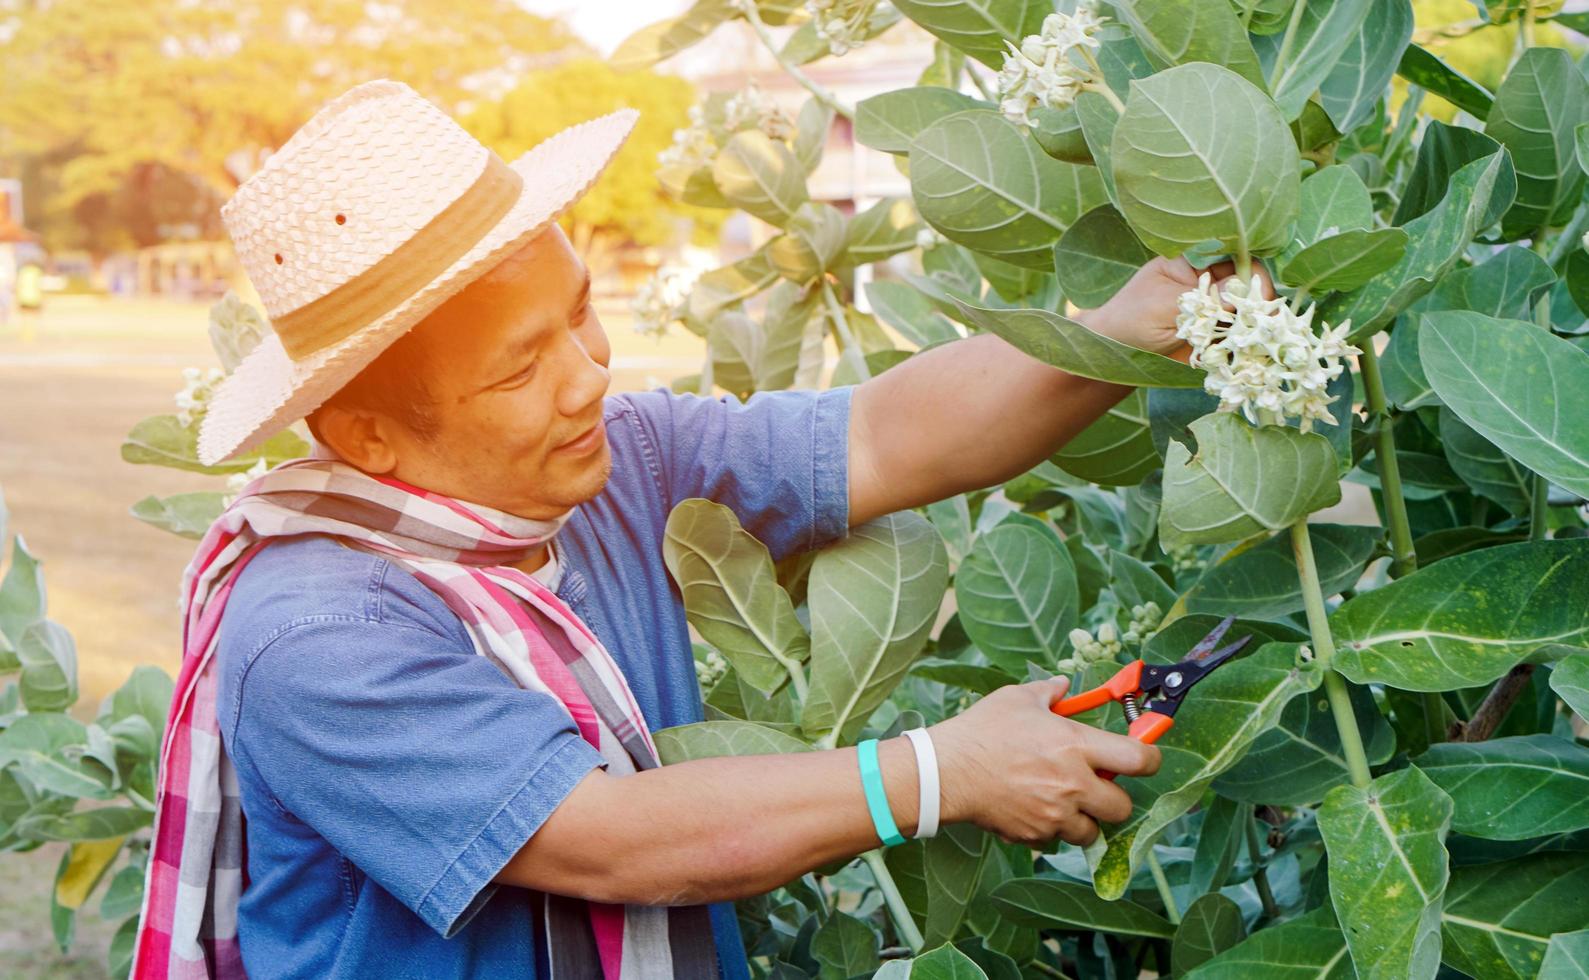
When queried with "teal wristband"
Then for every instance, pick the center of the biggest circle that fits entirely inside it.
(876, 796)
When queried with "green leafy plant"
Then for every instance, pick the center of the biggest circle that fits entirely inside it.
(1390, 784)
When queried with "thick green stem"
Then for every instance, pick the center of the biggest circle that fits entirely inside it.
(1570, 239)
(827, 98)
(1404, 560)
(1163, 885)
(1260, 874)
(1287, 42)
(903, 923)
(1324, 649)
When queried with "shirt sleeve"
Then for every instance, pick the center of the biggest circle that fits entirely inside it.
(779, 460)
(417, 759)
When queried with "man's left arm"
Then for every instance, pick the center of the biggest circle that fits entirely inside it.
(978, 411)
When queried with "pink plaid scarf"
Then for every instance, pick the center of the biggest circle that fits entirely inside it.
(196, 871)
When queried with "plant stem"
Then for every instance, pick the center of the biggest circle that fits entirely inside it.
(841, 326)
(1243, 262)
(1324, 649)
(976, 79)
(1404, 559)
(1493, 709)
(827, 98)
(1107, 93)
(1163, 885)
(704, 386)
(1569, 239)
(1042, 967)
(1260, 874)
(903, 923)
(1287, 42)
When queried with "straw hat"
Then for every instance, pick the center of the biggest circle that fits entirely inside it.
(373, 214)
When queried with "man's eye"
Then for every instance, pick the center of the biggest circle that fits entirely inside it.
(521, 378)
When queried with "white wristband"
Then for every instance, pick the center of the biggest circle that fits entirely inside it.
(927, 777)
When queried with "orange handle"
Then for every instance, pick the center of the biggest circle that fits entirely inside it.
(1128, 680)
(1147, 729)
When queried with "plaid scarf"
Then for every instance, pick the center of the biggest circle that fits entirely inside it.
(196, 872)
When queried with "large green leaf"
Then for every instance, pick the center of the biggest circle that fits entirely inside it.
(892, 120)
(1220, 836)
(1310, 947)
(1386, 845)
(944, 963)
(1191, 30)
(44, 747)
(1322, 35)
(1096, 256)
(22, 595)
(1513, 788)
(664, 39)
(188, 515)
(1355, 85)
(1261, 582)
(1570, 681)
(731, 593)
(1482, 465)
(1498, 918)
(1222, 716)
(1072, 347)
(980, 181)
(1567, 957)
(980, 28)
(1299, 760)
(1212, 924)
(1468, 619)
(97, 824)
(49, 667)
(1436, 241)
(710, 739)
(1537, 109)
(1243, 480)
(938, 877)
(958, 673)
(1334, 197)
(1442, 151)
(1047, 903)
(723, 288)
(163, 441)
(811, 242)
(1098, 118)
(146, 693)
(1016, 592)
(882, 230)
(907, 310)
(873, 597)
(1505, 285)
(1201, 154)
(761, 176)
(1344, 261)
(1115, 451)
(1517, 385)
(845, 946)
(1428, 72)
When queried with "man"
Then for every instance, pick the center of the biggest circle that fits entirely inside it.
(428, 792)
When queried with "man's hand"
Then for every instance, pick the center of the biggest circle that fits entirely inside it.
(1142, 313)
(1012, 766)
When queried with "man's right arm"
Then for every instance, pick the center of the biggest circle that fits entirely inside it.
(727, 828)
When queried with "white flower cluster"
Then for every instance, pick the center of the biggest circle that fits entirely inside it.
(693, 146)
(696, 145)
(660, 303)
(1089, 649)
(1145, 619)
(1041, 72)
(238, 481)
(928, 238)
(841, 23)
(194, 398)
(1261, 357)
(1184, 558)
(710, 670)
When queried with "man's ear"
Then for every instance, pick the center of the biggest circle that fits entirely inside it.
(361, 437)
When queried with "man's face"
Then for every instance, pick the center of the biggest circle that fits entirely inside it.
(516, 365)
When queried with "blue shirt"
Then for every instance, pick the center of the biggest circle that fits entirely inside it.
(387, 772)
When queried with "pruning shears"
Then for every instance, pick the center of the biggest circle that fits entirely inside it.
(1150, 694)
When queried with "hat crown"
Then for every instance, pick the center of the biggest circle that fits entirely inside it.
(360, 178)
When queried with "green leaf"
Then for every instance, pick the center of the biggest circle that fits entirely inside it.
(1482, 465)
(163, 441)
(1504, 285)
(1046, 903)
(944, 963)
(1468, 619)
(1386, 846)
(1115, 451)
(1334, 197)
(1212, 924)
(1097, 256)
(723, 288)
(1322, 34)
(882, 230)
(1570, 681)
(1098, 119)
(811, 243)
(97, 824)
(1191, 30)
(1444, 150)
(731, 593)
(980, 28)
(22, 596)
(1058, 132)
(49, 667)
(1436, 241)
(1498, 918)
(124, 894)
(1018, 285)
(904, 308)
(1345, 261)
(1262, 583)
(1221, 717)
(41, 745)
(1513, 788)
(121, 947)
(873, 598)
(710, 739)
(1298, 761)
(1016, 592)
(1515, 384)
(981, 182)
(1428, 72)
(1219, 837)
(1134, 583)
(1074, 348)
(1537, 108)
(958, 673)
(1243, 480)
(146, 694)
(891, 121)
(1310, 947)
(1200, 154)
(1566, 957)
(939, 876)
(761, 176)
(1264, 16)
(1359, 79)
(658, 42)
(188, 515)
(845, 946)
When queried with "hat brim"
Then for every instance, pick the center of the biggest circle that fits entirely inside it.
(269, 390)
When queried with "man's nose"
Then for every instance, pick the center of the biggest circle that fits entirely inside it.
(588, 376)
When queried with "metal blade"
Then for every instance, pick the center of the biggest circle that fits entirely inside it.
(1211, 660)
(1205, 647)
